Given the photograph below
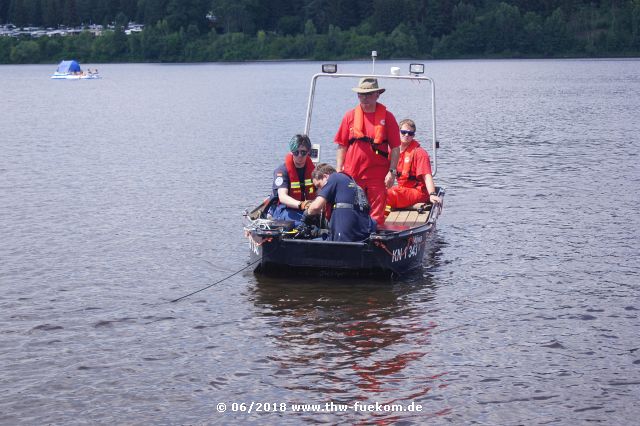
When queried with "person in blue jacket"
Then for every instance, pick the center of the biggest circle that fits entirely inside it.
(350, 220)
(292, 185)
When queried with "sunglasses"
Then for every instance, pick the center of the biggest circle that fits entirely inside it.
(364, 95)
(301, 153)
(407, 132)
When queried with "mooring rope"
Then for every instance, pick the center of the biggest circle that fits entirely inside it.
(217, 282)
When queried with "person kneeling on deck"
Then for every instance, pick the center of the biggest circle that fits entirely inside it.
(292, 181)
(415, 183)
(350, 220)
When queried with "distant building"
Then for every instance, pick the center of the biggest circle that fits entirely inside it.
(10, 30)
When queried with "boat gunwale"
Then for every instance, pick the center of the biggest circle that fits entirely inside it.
(379, 235)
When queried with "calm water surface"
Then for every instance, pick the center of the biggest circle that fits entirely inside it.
(119, 195)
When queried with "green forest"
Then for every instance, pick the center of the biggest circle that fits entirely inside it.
(240, 30)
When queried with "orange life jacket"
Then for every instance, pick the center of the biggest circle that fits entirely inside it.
(297, 190)
(357, 132)
(406, 170)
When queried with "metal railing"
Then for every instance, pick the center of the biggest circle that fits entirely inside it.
(434, 156)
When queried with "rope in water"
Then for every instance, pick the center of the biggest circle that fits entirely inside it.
(217, 282)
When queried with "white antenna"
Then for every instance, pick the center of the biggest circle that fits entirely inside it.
(374, 53)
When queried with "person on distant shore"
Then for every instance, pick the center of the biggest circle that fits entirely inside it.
(369, 145)
(350, 220)
(292, 181)
(415, 182)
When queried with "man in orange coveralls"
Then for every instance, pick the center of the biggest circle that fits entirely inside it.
(369, 146)
(415, 183)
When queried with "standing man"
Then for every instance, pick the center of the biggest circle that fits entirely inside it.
(369, 146)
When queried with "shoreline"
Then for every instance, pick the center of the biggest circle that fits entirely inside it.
(258, 61)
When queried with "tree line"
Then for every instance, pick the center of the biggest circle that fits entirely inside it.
(236, 30)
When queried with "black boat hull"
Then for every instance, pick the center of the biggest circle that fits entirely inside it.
(390, 251)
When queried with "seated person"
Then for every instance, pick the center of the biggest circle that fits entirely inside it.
(350, 220)
(292, 181)
(415, 183)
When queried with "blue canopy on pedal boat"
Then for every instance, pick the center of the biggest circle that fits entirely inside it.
(68, 66)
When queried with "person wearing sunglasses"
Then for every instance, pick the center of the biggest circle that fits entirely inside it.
(369, 146)
(415, 183)
(292, 183)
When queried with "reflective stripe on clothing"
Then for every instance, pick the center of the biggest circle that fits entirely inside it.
(296, 190)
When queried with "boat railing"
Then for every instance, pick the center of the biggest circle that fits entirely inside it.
(412, 77)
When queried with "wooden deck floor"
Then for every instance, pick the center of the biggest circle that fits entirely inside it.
(404, 219)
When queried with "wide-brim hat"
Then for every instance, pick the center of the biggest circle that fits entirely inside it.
(368, 85)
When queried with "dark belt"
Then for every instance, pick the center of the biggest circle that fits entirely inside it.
(343, 206)
(379, 152)
(385, 154)
(349, 206)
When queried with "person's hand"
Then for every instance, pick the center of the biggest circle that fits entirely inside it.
(305, 204)
(435, 199)
(389, 179)
(307, 219)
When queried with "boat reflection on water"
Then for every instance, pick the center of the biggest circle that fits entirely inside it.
(354, 340)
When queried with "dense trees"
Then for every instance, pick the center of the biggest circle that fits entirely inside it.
(213, 30)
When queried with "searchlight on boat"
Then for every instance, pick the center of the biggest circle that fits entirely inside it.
(329, 68)
(416, 69)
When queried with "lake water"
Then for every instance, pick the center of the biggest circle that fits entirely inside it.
(122, 194)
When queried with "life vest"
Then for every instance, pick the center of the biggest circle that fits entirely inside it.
(296, 189)
(357, 132)
(406, 171)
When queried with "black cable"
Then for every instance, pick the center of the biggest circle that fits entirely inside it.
(217, 282)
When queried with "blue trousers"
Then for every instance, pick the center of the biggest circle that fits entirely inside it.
(282, 212)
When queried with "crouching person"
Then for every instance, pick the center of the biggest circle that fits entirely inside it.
(350, 220)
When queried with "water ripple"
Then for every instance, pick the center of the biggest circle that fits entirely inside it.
(525, 311)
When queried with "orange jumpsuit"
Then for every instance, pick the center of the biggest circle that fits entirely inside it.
(414, 163)
(369, 147)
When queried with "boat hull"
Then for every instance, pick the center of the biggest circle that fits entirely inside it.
(68, 76)
(396, 255)
(393, 250)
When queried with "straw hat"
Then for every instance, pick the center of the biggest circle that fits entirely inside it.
(368, 85)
